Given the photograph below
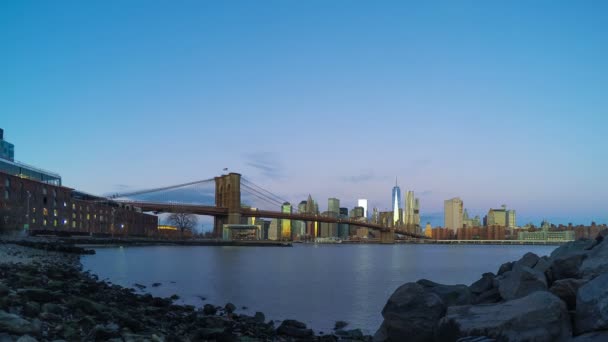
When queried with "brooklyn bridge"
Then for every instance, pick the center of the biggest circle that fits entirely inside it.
(228, 207)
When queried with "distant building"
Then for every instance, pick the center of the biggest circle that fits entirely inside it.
(357, 212)
(396, 200)
(544, 234)
(497, 217)
(511, 219)
(428, 230)
(333, 205)
(439, 233)
(274, 232)
(468, 221)
(286, 224)
(343, 231)
(453, 210)
(362, 202)
(409, 208)
(481, 233)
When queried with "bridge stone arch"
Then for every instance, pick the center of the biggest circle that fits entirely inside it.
(227, 195)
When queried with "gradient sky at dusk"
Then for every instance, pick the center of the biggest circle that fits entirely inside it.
(495, 102)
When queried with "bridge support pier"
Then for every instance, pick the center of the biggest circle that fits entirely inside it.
(387, 237)
(227, 195)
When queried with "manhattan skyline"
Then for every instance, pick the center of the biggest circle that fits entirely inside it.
(488, 103)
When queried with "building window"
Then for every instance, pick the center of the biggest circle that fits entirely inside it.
(45, 212)
(54, 193)
(44, 191)
(55, 223)
(55, 212)
(65, 204)
(44, 222)
(73, 215)
(73, 224)
(65, 221)
(88, 216)
(7, 183)
(6, 194)
(34, 210)
(73, 206)
(34, 220)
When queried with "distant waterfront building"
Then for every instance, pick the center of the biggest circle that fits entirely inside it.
(497, 217)
(511, 219)
(428, 230)
(546, 235)
(357, 212)
(453, 210)
(375, 215)
(286, 224)
(362, 202)
(396, 200)
(468, 221)
(274, 230)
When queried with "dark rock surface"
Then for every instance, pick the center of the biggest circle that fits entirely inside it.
(412, 312)
(520, 282)
(592, 305)
(539, 316)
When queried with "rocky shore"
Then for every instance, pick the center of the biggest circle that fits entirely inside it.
(45, 296)
(561, 297)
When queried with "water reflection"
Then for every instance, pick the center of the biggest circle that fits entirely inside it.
(314, 284)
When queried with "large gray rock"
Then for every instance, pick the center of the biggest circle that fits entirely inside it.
(542, 265)
(529, 260)
(14, 324)
(596, 336)
(539, 317)
(579, 245)
(566, 266)
(596, 262)
(566, 290)
(449, 294)
(592, 306)
(489, 297)
(520, 282)
(482, 285)
(411, 313)
(506, 267)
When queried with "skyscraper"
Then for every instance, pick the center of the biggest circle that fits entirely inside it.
(409, 208)
(396, 203)
(333, 205)
(453, 210)
(362, 202)
(286, 224)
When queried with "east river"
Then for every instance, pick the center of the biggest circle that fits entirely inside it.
(316, 284)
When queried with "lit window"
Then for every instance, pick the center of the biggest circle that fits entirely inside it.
(94, 216)
(44, 222)
(73, 206)
(45, 212)
(73, 224)
(34, 210)
(55, 223)
(65, 204)
(34, 220)
(65, 221)
(88, 216)
(73, 215)
(55, 212)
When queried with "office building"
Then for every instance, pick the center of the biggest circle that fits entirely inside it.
(286, 224)
(274, 230)
(362, 202)
(511, 219)
(396, 200)
(453, 211)
(343, 231)
(333, 205)
(497, 217)
(409, 208)
(428, 230)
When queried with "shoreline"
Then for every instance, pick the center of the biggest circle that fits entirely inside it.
(47, 296)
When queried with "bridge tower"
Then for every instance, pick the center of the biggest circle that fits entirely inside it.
(227, 195)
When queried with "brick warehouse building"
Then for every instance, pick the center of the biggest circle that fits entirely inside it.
(34, 199)
(46, 208)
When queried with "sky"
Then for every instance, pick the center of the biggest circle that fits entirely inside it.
(495, 102)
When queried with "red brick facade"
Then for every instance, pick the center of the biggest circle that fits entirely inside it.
(56, 209)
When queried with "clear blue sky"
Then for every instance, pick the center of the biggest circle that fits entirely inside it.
(495, 102)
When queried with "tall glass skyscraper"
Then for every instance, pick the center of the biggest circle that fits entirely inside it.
(396, 203)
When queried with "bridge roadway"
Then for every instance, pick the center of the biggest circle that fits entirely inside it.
(248, 212)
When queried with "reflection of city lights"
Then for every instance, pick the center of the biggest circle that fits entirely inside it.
(122, 226)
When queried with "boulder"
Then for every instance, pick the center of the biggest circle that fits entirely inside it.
(592, 306)
(209, 309)
(566, 290)
(39, 295)
(520, 282)
(529, 260)
(566, 266)
(596, 336)
(596, 262)
(4, 290)
(14, 324)
(449, 294)
(31, 309)
(482, 285)
(568, 248)
(507, 266)
(540, 316)
(353, 334)
(26, 338)
(259, 317)
(411, 313)
(488, 297)
(293, 328)
(542, 265)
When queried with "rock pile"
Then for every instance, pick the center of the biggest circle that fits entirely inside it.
(563, 297)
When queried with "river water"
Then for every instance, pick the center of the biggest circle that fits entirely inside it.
(316, 284)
